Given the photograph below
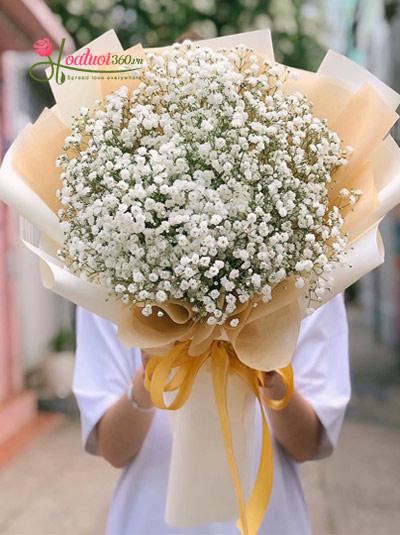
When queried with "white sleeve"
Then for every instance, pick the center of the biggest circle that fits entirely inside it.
(321, 368)
(103, 371)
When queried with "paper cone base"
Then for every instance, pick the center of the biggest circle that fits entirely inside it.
(200, 489)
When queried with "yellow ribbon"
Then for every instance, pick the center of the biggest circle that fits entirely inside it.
(223, 361)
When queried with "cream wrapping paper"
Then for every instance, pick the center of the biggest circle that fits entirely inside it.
(364, 255)
(280, 315)
(15, 192)
(199, 472)
(70, 96)
(199, 489)
(353, 75)
(387, 159)
(85, 294)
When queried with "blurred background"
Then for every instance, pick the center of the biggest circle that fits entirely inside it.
(44, 475)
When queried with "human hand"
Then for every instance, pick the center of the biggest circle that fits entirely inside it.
(273, 387)
(145, 358)
(142, 396)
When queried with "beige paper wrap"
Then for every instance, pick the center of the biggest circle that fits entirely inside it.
(199, 472)
(362, 110)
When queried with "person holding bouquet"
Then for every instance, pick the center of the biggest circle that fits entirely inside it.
(136, 438)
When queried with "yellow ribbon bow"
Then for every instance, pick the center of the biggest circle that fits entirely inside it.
(177, 372)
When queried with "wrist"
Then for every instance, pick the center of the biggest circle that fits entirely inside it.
(140, 394)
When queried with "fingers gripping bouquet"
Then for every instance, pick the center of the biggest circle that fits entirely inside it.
(205, 208)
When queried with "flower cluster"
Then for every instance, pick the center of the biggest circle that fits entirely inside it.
(206, 183)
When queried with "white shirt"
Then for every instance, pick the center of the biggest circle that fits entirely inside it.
(103, 371)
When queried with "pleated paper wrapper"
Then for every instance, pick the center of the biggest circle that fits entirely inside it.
(361, 109)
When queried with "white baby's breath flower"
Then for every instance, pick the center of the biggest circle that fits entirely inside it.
(212, 190)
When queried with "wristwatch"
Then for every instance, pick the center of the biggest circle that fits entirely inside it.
(131, 397)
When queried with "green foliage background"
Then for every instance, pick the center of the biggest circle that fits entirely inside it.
(297, 25)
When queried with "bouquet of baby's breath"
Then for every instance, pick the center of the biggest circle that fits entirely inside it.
(204, 209)
(206, 184)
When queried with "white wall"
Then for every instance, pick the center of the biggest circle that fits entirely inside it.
(40, 312)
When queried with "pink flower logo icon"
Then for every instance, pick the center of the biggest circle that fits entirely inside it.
(43, 47)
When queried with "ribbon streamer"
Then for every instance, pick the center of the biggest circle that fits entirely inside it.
(177, 372)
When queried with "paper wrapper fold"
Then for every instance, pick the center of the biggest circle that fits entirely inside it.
(17, 193)
(264, 340)
(365, 254)
(356, 105)
(353, 75)
(84, 294)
